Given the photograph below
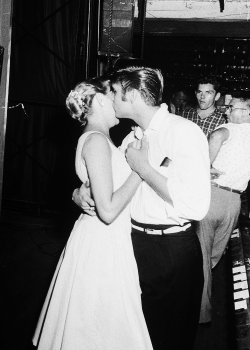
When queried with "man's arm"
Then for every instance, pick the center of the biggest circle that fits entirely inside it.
(215, 142)
(187, 187)
(215, 173)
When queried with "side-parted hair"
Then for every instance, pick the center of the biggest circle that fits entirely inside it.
(209, 80)
(243, 96)
(148, 81)
(79, 101)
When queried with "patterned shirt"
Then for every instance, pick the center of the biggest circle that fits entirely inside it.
(207, 124)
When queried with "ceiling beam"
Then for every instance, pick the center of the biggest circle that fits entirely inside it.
(172, 27)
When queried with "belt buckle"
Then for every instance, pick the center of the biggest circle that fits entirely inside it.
(151, 231)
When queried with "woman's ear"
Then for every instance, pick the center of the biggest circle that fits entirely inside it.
(100, 99)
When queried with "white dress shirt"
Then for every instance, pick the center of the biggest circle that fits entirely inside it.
(188, 171)
(234, 157)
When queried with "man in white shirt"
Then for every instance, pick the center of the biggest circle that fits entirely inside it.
(229, 150)
(173, 161)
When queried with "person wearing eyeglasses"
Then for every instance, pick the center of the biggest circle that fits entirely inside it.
(206, 115)
(229, 151)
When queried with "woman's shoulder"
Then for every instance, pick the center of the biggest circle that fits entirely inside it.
(90, 137)
(94, 142)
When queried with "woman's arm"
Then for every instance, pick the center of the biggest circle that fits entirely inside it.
(97, 155)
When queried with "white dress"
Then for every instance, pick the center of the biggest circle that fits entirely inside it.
(94, 301)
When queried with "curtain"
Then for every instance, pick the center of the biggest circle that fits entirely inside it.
(41, 138)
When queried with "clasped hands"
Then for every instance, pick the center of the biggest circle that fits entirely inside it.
(137, 156)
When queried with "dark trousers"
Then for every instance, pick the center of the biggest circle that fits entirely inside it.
(171, 277)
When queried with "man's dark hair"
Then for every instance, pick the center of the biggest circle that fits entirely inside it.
(148, 81)
(209, 80)
(243, 95)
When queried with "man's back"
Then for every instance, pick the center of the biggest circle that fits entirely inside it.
(234, 157)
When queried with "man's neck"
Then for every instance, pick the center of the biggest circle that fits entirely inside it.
(145, 116)
(204, 113)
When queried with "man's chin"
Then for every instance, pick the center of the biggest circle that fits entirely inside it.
(203, 107)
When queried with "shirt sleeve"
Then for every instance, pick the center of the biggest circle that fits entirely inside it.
(189, 182)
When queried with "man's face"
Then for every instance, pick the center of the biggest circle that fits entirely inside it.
(206, 96)
(237, 111)
(121, 104)
(179, 99)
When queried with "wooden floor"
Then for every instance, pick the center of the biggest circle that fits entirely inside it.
(30, 249)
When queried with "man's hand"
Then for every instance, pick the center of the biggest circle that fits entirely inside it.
(214, 173)
(137, 156)
(82, 197)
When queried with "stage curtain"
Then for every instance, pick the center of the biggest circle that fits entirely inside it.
(41, 138)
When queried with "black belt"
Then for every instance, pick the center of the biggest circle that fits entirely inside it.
(159, 229)
(226, 188)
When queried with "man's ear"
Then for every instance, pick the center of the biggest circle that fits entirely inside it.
(217, 96)
(100, 99)
(132, 95)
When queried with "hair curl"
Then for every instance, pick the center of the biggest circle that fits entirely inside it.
(79, 101)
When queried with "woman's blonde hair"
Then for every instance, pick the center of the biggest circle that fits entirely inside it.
(79, 100)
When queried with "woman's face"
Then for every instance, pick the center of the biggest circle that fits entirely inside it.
(110, 112)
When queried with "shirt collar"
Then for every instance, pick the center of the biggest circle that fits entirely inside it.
(155, 123)
(215, 112)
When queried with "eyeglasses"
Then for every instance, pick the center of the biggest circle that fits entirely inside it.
(232, 108)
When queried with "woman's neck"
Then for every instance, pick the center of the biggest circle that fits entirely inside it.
(99, 128)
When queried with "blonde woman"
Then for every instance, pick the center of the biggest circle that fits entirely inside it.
(94, 301)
